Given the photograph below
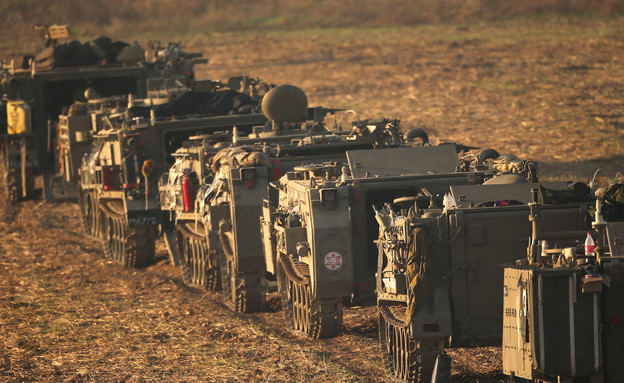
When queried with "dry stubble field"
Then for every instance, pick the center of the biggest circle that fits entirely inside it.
(550, 91)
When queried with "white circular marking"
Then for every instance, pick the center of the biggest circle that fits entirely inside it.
(333, 260)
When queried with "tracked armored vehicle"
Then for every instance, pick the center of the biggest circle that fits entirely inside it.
(119, 176)
(439, 266)
(18, 152)
(44, 86)
(563, 302)
(217, 198)
(318, 223)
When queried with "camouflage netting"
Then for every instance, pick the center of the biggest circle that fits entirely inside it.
(578, 192)
(613, 202)
(100, 51)
(416, 271)
(510, 164)
(507, 163)
(237, 157)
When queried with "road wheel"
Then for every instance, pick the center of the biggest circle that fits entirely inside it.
(127, 246)
(318, 318)
(198, 264)
(406, 357)
(243, 292)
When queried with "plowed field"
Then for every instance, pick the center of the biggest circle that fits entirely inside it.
(552, 92)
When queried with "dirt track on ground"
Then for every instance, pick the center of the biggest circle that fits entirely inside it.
(552, 93)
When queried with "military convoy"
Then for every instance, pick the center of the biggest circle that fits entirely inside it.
(316, 219)
(439, 269)
(45, 85)
(216, 196)
(305, 212)
(130, 149)
(242, 197)
(321, 218)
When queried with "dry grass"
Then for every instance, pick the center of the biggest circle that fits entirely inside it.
(233, 15)
(547, 90)
(68, 315)
(139, 19)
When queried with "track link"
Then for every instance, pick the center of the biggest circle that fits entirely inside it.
(11, 178)
(13, 189)
(125, 245)
(242, 292)
(89, 214)
(11, 184)
(318, 318)
(197, 262)
(406, 357)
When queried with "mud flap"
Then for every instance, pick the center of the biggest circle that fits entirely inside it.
(433, 318)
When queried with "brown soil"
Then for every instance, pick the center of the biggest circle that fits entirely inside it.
(549, 92)
(69, 315)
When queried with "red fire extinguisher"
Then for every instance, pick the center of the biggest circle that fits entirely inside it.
(188, 195)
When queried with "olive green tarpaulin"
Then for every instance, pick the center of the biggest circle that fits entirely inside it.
(613, 204)
(613, 207)
(578, 192)
(416, 271)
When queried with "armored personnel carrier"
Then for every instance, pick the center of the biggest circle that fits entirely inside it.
(130, 149)
(318, 222)
(216, 196)
(562, 313)
(44, 86)
(439, 266)
(18, 152)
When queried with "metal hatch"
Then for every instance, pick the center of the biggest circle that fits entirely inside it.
(403, 161)
(465, 195)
